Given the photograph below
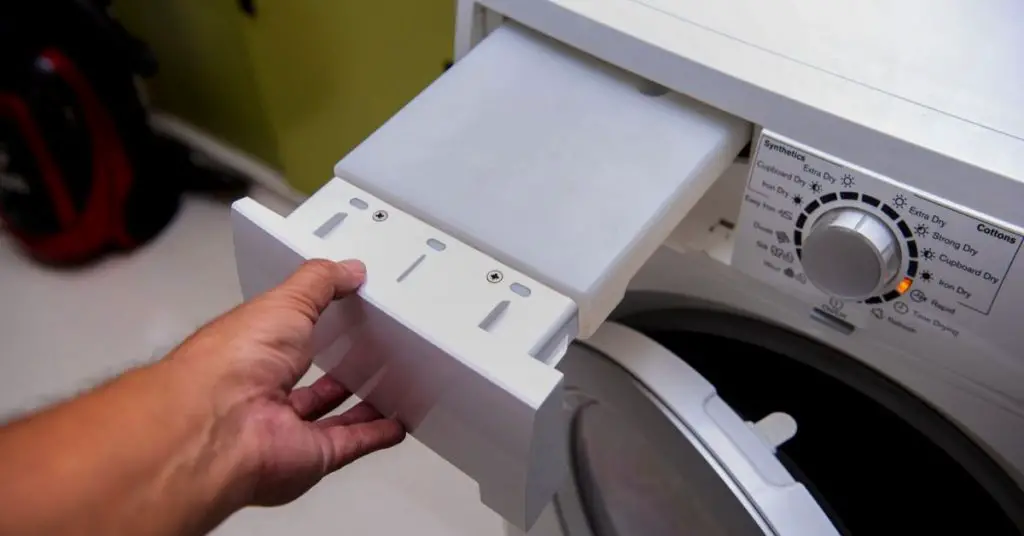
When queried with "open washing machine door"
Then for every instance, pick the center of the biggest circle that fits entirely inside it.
(655, 451)
(660, 442)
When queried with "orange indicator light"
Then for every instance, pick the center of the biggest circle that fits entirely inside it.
(904, 285)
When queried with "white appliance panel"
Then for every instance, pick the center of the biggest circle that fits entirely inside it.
(957, 285)
(526, 153)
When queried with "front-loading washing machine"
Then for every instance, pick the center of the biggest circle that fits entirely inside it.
(642, 267)
(710, 394)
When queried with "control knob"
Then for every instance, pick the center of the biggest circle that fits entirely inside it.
(851, 254)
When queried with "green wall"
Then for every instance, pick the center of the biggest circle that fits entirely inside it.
(303, 81)
(206, 76)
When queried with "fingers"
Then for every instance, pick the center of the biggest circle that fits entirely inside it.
(325, 394)
(318, 282)
(360, 413)
(349, 443)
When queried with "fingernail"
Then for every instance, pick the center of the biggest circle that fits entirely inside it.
(354, 266)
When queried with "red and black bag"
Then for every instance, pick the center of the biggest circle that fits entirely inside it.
(80, 169)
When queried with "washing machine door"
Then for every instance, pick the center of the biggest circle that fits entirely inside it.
(654, 451)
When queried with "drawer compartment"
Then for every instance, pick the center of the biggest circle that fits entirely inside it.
(501, 215)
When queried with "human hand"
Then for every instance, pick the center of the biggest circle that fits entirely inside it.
(250, 359)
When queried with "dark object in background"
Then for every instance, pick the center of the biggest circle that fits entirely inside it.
(81, 172)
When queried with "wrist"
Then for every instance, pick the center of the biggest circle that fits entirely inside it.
(207, 466)
(153, 454)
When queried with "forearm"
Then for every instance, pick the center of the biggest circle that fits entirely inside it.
(176, 447)
(140, 455)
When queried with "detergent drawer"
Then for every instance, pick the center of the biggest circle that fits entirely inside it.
(543, 157)
(461, 348)
(501, 215)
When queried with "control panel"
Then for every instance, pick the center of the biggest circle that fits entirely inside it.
(862, 248)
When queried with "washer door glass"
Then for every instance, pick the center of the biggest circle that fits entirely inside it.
(652, 465)
(630, 482)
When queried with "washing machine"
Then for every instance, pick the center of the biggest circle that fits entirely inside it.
(650, 267)
(712, 403)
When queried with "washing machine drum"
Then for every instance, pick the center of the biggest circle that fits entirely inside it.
(663, 446)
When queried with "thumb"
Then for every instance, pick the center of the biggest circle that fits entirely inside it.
(318, 282)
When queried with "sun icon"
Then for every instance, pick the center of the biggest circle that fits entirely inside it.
(899, 201)
(928, 254)
(847, 181)
(816, 187)
(921, 229)
(798, 200)
(926, 276)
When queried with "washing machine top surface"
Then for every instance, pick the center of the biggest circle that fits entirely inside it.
(963, 60)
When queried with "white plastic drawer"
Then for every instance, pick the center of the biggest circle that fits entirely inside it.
(501, 215)
(551, 161)
(464, 360)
